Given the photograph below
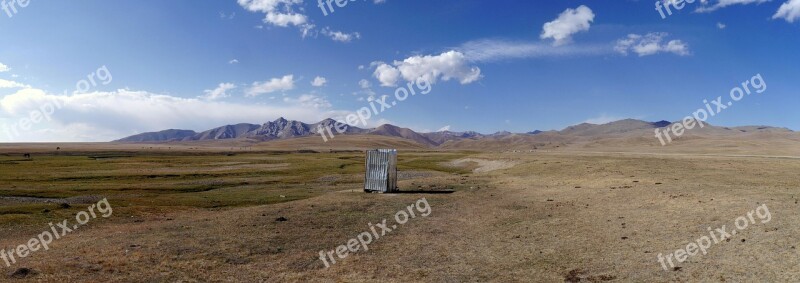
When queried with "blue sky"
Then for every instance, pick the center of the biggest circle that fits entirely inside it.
(495, 65)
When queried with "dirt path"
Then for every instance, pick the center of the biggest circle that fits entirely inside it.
(484, 165)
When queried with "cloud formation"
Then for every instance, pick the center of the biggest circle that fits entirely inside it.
(340, 36)
(711, 5)
(446, 66)
(490, 50)
(220, 92)
(275, 84)
(319, 81)
(650, 44)
(789, 11)
(364, 84)
(569, 22)
(277, 12)
(285, 13)
(12, 84)
(309, 100)
(105, 116)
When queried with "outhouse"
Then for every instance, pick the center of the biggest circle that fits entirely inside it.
(381, 175)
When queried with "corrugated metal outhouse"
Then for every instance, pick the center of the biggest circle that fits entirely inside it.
(381, 176)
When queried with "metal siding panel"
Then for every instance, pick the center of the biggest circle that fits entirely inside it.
(381, 170)
(391, 168)
(370, 171)
(370, 161)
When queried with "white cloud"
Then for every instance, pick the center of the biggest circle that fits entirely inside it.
(281, 13)
(706, 5)
(366, 90)
(272, 85)
(234, 61)
(278, 12)
(224, 16)
(285, 19)
(721, 25)
(445, 66)
(387, 74)
(319, 81)
(104, 116)
(340, 36)
(365, 84)
(309, 100)
(789, 11)
(12, 84)
(220, 92)
(308, 30)
(4, 68)
(569, 22)
(285, 13)
(489, 50)
(650, 44)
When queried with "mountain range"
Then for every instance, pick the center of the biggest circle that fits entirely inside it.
(286, 129)
(282, 129)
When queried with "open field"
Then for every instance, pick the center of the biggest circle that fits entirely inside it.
(399, 141)
(540, 216)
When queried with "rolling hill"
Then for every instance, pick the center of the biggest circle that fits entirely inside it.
(623, 135)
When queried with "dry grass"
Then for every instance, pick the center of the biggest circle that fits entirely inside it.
(550, 217)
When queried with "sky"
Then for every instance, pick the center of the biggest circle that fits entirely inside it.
(94, 70)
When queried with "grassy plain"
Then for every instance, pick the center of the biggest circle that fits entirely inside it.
(198, 216)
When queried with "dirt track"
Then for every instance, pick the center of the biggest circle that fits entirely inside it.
(484, 165)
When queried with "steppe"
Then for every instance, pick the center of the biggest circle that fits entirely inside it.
(262, 212)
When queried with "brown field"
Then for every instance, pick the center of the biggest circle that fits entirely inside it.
(210, 213)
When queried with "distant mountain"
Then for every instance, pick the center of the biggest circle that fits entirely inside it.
(395, 131)
(616, 127)
(331, 124)
(629, 131)
(445, 136)
(226, 132)
(501, 134)
(162, 136)
(282, 129)
(278, 129)
(662, 123)
(746, 129)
